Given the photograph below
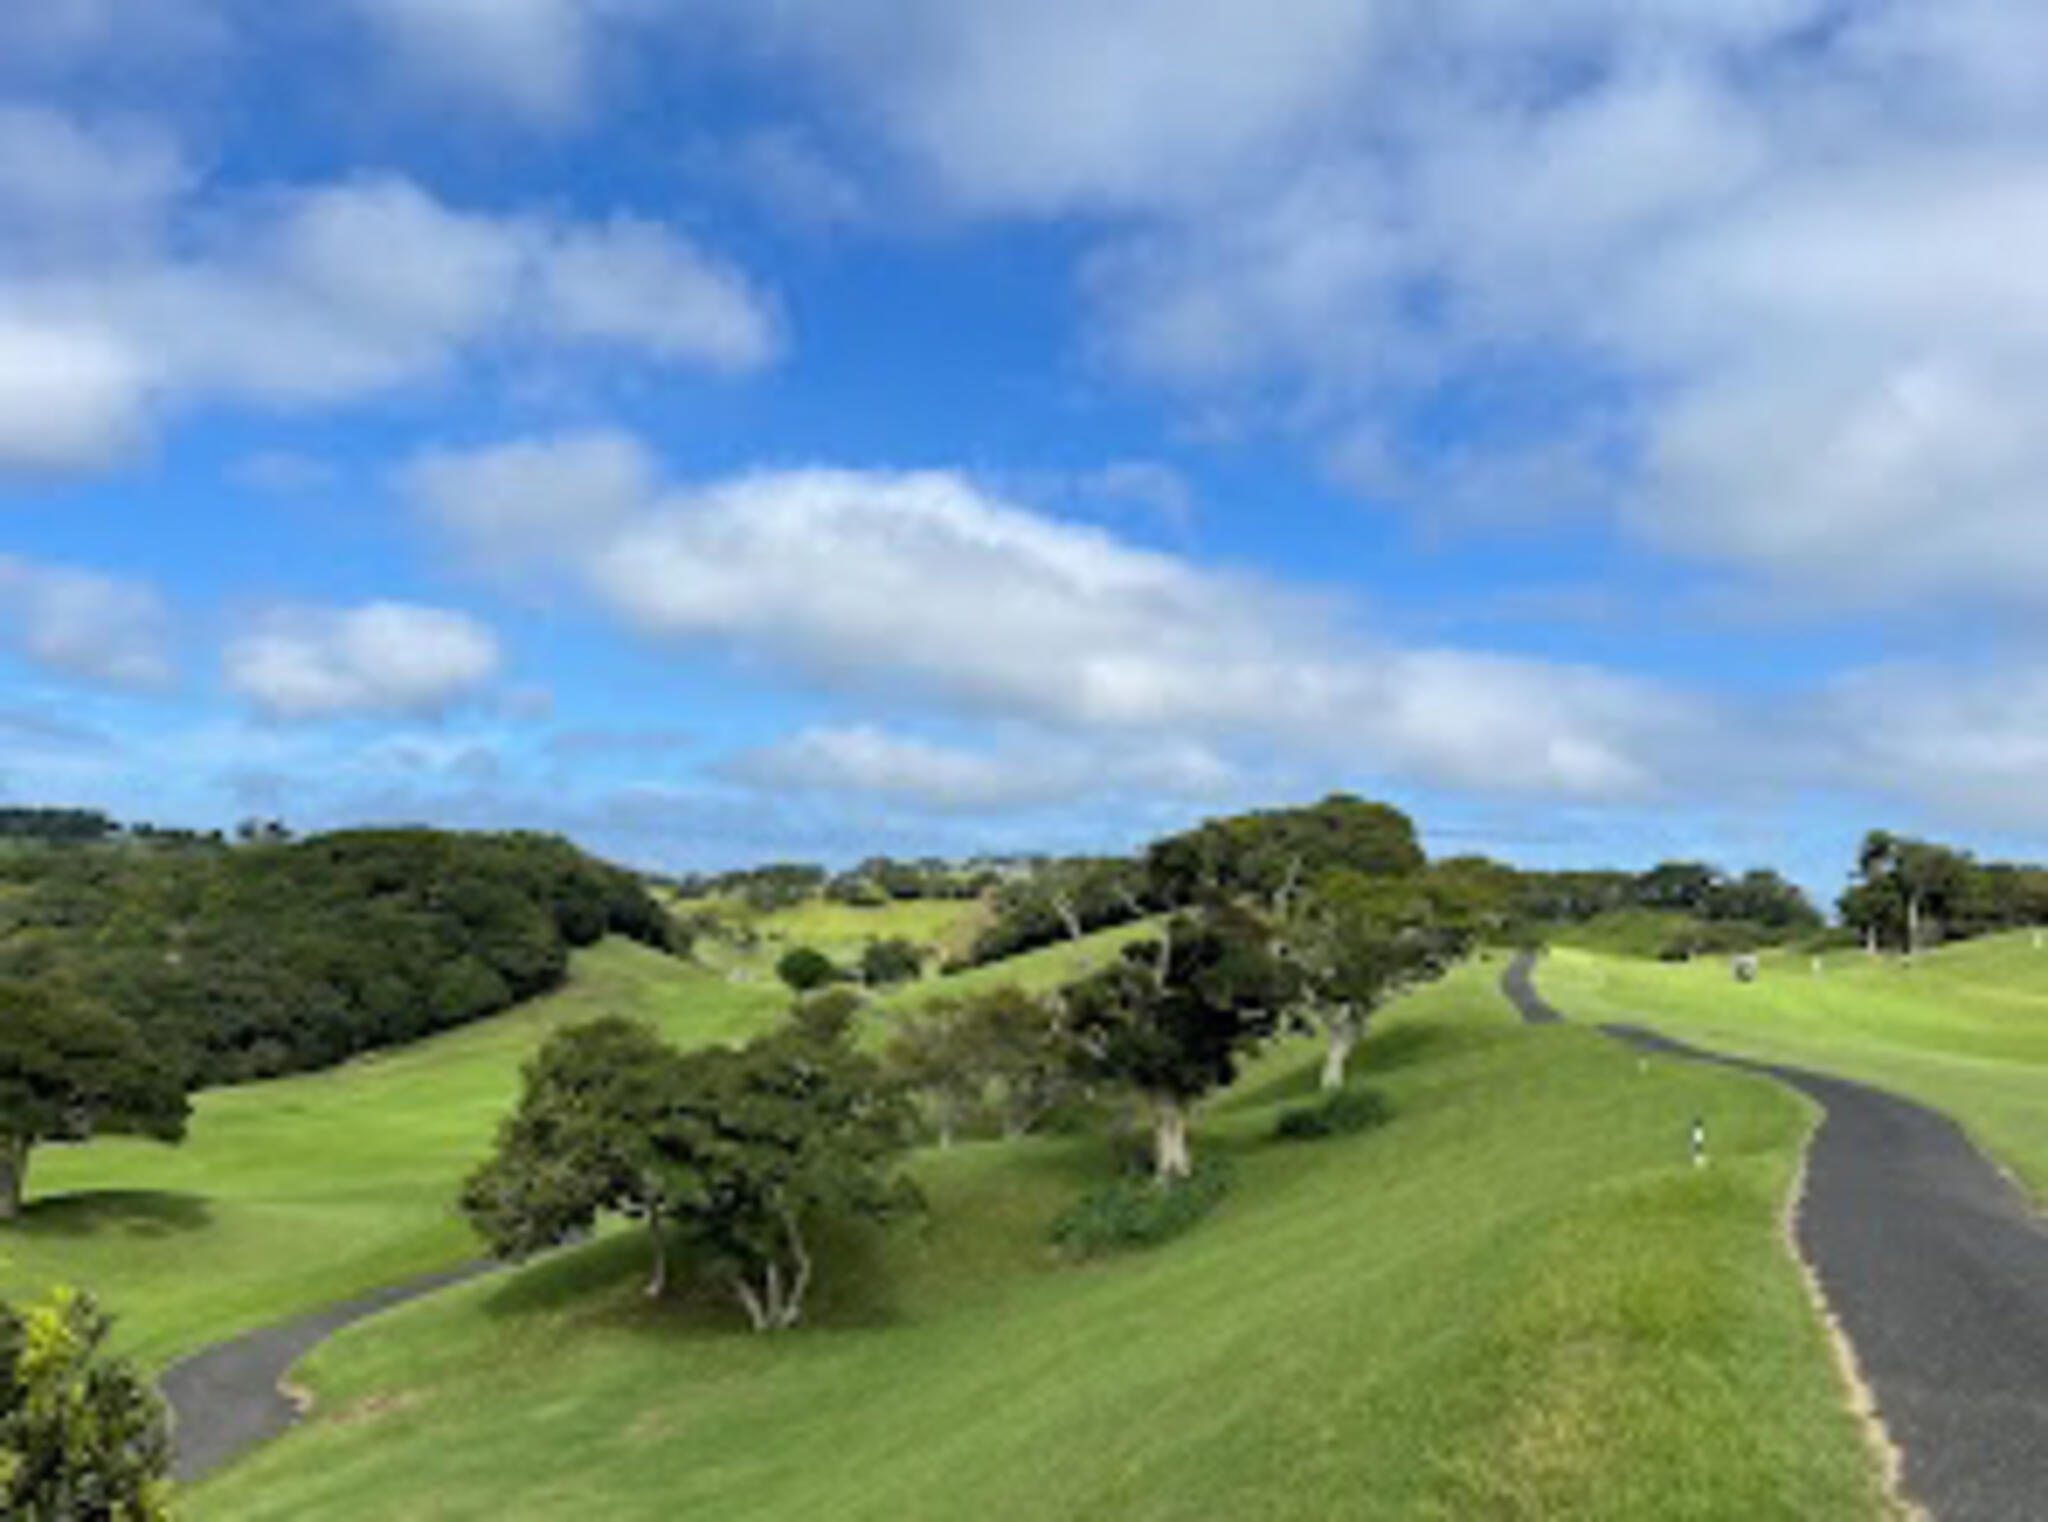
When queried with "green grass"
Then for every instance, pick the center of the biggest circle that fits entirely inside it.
(1515, 1300)
(1963, 1029)
(293, 1194)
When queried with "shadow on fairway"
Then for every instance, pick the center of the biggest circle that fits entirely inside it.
(115, 1212)
(602, 1281)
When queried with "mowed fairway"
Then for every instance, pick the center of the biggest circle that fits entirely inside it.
(1515, 1300)
(1963, 1029)
(291, 1195)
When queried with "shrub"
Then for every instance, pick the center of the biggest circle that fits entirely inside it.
(1342, 1114)
(891, 961)
(804, 968)
(1136, 1212)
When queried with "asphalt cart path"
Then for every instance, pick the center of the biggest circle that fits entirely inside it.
(1936, 1270)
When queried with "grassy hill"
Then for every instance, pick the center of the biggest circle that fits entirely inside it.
(1964, 1028)
(292, 1194)
(1515, 1300)
(298, 1192)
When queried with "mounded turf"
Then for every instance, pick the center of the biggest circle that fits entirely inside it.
(1963, 1029)
(292, 1195)
(1517, 1299)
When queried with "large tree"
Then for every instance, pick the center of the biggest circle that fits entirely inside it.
(736, 1152)
(1357, 941)
(578, 1144)
(1173, 1017)
(1917, 879)
(83, 1437)
(763, 1141)
(69, 1071)
(1270, 856)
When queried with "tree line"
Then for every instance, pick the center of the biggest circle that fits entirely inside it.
(1294, 920)
(130, 977)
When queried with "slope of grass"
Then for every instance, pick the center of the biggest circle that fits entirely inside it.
(292, 1194)
(1516, 1300)
(1964, 1028)
(1034, 971)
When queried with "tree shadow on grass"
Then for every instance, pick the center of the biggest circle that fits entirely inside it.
(602, 1282)
(140, 1213)
(1406, 1045)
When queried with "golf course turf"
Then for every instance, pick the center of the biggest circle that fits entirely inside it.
(1517, 1299)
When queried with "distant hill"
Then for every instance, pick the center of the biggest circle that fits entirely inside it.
(268, 957)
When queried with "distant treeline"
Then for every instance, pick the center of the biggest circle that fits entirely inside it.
(1910, 894)
(273, 957)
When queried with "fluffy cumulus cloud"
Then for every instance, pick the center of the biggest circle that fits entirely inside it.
(1019, 774)
(126, 289)
(531, 57)
(381, 659)
(1969, 742)
(85, 624)
(925, 587)
(510, 502)
(1769, 274)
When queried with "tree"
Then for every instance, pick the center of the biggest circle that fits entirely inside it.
(1173, 1017)
(70, 1070)
(805, 968)
(1267, 857)
(763, 1140)
(578, 1145)
(1357, 941)
(1917, 878)
(1005, 1049)
(894, 960)
(735, 1151)
(83, 1437)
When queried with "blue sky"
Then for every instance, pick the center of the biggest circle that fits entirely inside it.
(1612, 429)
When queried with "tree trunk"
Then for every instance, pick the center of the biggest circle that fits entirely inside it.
(13, 1176)
(1343, 1038)
(657, 1281)
(1068, 918)
(1912, 924)
(1170, 1156)
(1870, 940)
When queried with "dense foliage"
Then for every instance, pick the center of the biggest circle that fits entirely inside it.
(83, 1437)
(265, 958)
(1910, 894)
(1140, 1212)
(736, 1151)
(69, 1070)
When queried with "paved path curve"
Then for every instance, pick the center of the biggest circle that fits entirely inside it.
(1936, 1269)
(226, 1399)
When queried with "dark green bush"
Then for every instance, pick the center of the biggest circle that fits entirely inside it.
(1342, 1114)
(1135, 1212)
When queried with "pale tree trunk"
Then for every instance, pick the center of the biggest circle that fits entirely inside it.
(1343, 1033)
(1068, 918)
(13, 1176)
(1870, 940)
(657, 1280)
(1170, 1156)
(777, 1302)
(1913, 925)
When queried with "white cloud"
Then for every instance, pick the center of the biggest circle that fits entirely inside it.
(1969, 743)
(923, 585)
(315, 297)
(529, 56)
(1024, 772)
(529, 499)
(1781, 259)
(102, 628)
(635, 283)
(383, 658)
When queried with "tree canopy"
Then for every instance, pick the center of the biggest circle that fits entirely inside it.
(83, 1437)
(1173, 1016)
(70, 1070)
(735, 1151)
(250, 961)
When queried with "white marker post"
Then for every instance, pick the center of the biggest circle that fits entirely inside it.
(1699, 1143)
